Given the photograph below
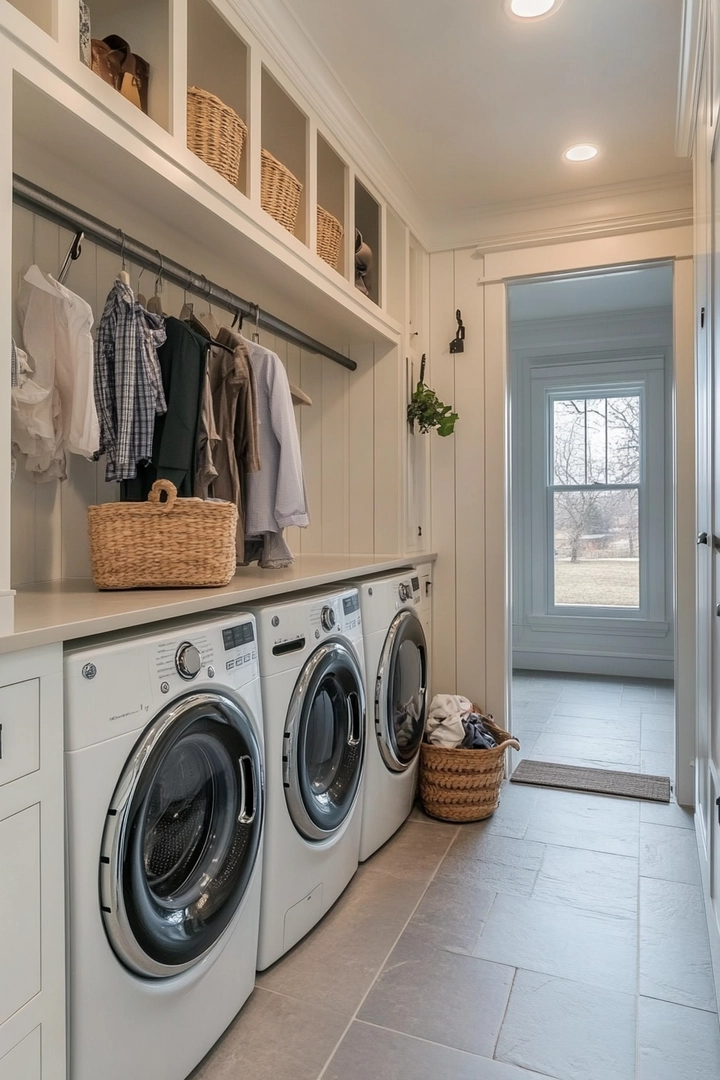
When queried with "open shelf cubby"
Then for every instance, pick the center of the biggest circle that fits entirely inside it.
(145, 25)
(41, 12)
(218, 61)
(285, 136)
(332, 176)
(367, 223)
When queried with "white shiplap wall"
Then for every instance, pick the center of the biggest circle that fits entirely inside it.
(350, 437)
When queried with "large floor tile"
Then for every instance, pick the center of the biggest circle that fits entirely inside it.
(674, 949)
(670, 813)
(657, 722)
(624, 729)
(588, 879)
(445, 997)
(658, 742)
(570, 943)
(608, 695)
(549, 746)
(513, 815)
(470, 901)
(274, 1038)
(368, 1052)
(336, 963)
(655, 764)
(414, 853)
(500, 863)
(668, 853)
(600, 823)
(677, 1043)
(598, 710)
(568, 1030)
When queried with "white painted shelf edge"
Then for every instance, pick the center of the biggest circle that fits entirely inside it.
(64, 610)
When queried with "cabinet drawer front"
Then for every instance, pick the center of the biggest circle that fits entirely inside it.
(23, 1062)
(19, 910)
(19, 730)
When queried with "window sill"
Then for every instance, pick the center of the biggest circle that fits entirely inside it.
(594, 624)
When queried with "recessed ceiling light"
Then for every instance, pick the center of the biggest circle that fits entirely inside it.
(531, 9)
(581, 152)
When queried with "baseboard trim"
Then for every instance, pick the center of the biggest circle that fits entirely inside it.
(588, 664)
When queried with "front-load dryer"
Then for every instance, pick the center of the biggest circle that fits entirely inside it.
(311, 668)
(165, 821)
(396, 661)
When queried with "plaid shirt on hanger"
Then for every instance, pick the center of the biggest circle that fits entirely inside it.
(128, 383)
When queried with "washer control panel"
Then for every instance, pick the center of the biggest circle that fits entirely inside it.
(408, 591)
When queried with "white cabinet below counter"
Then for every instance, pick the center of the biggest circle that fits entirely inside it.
(32, 866)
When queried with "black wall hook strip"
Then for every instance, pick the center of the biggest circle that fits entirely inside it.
(49, 206)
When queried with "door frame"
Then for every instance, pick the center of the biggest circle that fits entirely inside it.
(500, 269)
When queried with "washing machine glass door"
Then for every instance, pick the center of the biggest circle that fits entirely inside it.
(324, 741)
(401, 692)
(182, 835)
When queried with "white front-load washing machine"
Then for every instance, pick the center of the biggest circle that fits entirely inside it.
(396, 662)
(312, 674)
(165, 821)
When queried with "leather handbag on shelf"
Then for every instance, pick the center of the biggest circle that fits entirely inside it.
(363, 264)
(116, 64)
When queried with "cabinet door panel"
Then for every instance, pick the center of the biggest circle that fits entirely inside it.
(19, 910)
(24, 1061)
(19, 730)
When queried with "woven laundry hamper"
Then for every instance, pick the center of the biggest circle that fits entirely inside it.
(215, 133)
(464, 785)
(329, 237)
(279, 191)
(162, 545)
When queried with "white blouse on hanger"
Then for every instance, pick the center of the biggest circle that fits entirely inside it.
(54, 407)
(276, 494)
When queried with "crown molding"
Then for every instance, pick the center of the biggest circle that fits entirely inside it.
(694, 34)
(290, 46)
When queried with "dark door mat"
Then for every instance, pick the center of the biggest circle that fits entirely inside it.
(626, 785)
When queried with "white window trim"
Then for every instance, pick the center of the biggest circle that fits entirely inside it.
(626, 372)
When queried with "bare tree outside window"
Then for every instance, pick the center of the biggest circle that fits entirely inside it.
(595, 465)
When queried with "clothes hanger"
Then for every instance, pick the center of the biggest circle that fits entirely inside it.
(74, 252)
(299, 396)
(123, 275)
(206, 318)
(256, 331)
(141, 299)
(186, 312)
(154, 304)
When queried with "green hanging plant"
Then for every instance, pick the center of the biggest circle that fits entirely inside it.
(428, 411)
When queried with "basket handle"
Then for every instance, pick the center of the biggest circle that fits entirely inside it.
(157, 489)
(509, 743)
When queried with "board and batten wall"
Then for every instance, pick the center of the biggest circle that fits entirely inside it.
(470, 473)
(352, 437)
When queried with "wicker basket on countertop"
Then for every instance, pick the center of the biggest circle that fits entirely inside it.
(464, 785)
(215, 133)
(329, 237)
(162, 545)
(279, 191)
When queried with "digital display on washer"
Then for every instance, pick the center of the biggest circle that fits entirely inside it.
(238, 635)
(351, 603)
(415, 582)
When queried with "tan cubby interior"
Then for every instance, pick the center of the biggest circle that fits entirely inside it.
(367, 221)
(332, 173)
(146, 26)
(218, 61)
(285, 136)
(41, 12)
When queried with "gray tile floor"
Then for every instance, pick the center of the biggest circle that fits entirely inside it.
(604, 723)
(564, 938)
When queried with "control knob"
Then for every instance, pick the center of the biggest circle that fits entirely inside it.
(404, 591)
(188, 660)
(327, 618)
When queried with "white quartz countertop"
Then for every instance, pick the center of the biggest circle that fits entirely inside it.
(63, 610)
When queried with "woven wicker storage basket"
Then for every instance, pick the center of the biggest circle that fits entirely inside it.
(154, 545)
(279, 191)
(329, 237)
(464, 785)
(215, 132)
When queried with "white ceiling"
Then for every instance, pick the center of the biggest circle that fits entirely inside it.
(476, 108)
(596, 294)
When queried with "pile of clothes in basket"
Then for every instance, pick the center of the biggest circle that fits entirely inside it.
(454, 722)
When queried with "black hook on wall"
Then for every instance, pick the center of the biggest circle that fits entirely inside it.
(457, 344)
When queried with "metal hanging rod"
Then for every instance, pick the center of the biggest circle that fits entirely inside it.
(49, 206)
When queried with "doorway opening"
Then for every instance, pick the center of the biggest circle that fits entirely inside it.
(591, 385)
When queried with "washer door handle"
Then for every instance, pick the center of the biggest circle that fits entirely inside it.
(355, 717)
(248, 790)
